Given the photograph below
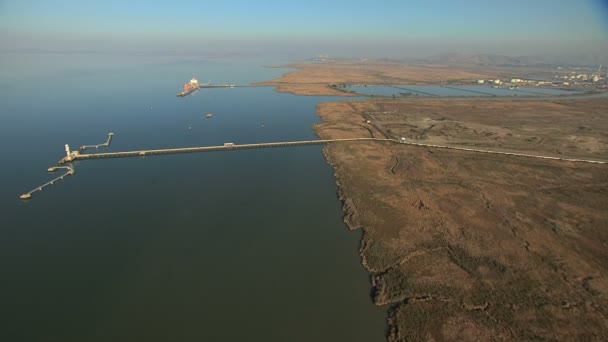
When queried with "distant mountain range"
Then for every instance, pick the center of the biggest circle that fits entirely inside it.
(500, 60)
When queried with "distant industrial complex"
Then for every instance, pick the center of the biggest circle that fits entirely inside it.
(574, 78)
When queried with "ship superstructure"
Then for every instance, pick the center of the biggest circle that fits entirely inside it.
(189, 87)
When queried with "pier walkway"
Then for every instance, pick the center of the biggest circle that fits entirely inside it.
(76, 155)
(72, 156)
(69, 172)
(105, 144)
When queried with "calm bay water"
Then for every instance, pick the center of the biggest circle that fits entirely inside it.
(242, 245)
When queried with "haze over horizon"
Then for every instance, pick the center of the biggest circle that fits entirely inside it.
(298, 28)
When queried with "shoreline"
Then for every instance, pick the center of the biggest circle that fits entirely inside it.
(424, 214)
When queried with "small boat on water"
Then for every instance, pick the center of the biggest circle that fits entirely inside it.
(209, 115)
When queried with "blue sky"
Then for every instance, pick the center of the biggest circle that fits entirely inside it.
(356, 26)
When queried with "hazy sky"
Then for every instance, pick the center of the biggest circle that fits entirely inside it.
(354, 27)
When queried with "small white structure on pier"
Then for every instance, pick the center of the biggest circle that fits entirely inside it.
(69, 155)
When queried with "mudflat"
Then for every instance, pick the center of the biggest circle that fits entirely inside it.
(469, 246)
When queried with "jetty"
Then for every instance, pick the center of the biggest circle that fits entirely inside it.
(105, 144)
(194, 85)
(75, 155)
(69, 171)
(72, 156)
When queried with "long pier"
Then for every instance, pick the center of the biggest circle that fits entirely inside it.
(206, 86)
(76, 155)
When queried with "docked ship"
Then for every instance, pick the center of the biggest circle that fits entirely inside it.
(189, 87)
